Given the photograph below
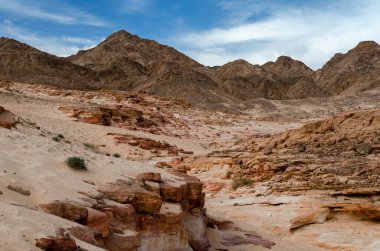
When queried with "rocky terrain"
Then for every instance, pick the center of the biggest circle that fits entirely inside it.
(126, 62)
(133, 146)
(161, 174)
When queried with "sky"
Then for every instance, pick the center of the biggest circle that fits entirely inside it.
(213, 32)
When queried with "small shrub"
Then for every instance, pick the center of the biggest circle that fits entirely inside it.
(61, 136)
(241, 182)
(56, 139)
(76, 163)
(116, 155)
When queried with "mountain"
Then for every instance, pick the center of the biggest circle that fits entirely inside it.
(127, 62)
(357, 70)
(23, 63)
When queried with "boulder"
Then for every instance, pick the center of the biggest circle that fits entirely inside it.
(317, 215)
(7, 119)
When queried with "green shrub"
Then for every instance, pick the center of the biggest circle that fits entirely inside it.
(76, 163)
(241, 182)
(116, 155)
(56, 139)
(61, 136)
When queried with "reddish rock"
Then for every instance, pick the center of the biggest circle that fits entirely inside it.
(131, 193)
(87, 235)
(62, 242)
(121, 217)
(154, 177)
(97, 221)
(69, 210)
(19, 190)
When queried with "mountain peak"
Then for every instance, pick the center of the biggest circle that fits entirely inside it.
(366, 46)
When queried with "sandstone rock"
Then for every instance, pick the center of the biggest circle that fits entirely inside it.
(131, 193)
(69, 210)
(249, 238)
(97, 221)
(87, 235)
(121, 216)
(365, 210)
(171, 217)
(7, 119)
(19, 190)
(62, 242)
(358, 192)
(196, 230)
(154, 177)
(317, 215)
(127, 241)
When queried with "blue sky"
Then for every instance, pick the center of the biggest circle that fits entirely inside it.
(213, 32)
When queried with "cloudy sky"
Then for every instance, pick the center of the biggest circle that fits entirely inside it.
(211, 31)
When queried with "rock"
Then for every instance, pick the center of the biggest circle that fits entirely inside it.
(127, 241)
(69, 210)
(131, 193)
(249, 238)
(154, 177)
(171, 217)
(121, 216)
(147, 203)
(97, 221)
(267, 151)
(94, 118)
(19, 190)
(366, 210)
(357, 192)
(87, 235)
(7, 119)
(62, 242)
(318, 215)
(364, 149)
(196, 231)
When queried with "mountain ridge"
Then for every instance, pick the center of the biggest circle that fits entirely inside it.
(124, 61)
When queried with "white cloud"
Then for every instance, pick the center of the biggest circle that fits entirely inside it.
(59, 46)
(132, 6)
(71, 16)
(309, 35)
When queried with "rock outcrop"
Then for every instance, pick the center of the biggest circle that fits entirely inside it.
(126, 216)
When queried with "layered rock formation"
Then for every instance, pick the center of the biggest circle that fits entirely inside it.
(147, 214)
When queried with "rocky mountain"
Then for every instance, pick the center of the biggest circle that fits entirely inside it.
(357, 70)
(126, 62)
(23, 63)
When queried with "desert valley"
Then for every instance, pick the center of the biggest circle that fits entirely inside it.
(132, 145)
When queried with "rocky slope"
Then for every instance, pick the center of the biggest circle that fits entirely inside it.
(21, 62)
(355, 71)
